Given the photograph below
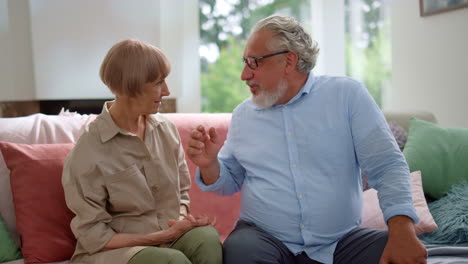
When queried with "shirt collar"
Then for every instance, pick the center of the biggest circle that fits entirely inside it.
(108, 129)
(305, 90)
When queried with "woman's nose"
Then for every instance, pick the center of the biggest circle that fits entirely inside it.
(165, 90)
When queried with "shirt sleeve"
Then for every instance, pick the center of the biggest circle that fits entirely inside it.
(86, 197)
(231, 172)
(379, 155)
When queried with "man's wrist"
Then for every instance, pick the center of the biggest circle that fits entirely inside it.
(400, 223)
(210, 174)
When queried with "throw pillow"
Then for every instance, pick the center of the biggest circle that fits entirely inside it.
(7, 210)
(450, 213)
(42, 217)
(399, 134)
(439, 153)
(8, 251)
(33, 129)
(372, 216)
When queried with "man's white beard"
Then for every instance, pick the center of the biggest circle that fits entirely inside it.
(266, 99)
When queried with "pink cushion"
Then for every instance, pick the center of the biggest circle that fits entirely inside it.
(226, 209)
(42, 217)
(372, 216)
(34, 129)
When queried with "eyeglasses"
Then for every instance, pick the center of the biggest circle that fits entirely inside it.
(252, 62)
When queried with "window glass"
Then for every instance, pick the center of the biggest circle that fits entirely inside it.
(224, 28)
(226, 24)
(368, 45)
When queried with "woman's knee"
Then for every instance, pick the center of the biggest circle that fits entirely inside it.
(177, 257)
(205, 234)
(155, 255)
(201, 245)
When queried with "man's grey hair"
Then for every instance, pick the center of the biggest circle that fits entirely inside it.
(289, 35)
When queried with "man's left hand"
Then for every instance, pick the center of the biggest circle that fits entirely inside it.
(403, 246)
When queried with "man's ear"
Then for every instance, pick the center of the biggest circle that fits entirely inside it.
(291, 61)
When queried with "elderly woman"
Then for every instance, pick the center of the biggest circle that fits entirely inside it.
(126, 179)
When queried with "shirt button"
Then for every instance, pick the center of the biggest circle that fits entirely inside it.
(302, 226)
(289, 133)
(294, 166)
(300, 196)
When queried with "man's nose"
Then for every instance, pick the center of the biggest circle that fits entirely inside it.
(247, 73)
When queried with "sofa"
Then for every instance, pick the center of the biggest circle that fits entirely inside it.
(31, 198)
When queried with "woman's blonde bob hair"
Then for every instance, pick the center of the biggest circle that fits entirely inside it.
(130, 64)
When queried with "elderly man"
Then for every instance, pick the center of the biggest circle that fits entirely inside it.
(296, 149)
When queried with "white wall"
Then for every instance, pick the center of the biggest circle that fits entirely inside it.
(71, 38)
(430, 56)
(180, 41)
(16, 69)
(62, 44)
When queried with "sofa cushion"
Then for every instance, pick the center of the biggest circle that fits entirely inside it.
(8, 249)
(7, 210)
(440, 154)
(42, 217)
(450, 214)
(225, 208)
(34, 129)
(372, 216)
(399, 134)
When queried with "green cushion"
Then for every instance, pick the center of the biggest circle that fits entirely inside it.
(441, 154)
(8, 249)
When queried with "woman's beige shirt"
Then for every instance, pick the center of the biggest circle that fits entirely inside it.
(116, 183)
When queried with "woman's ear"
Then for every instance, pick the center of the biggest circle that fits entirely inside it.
(291, 61)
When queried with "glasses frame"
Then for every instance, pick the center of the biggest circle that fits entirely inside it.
(256, 59)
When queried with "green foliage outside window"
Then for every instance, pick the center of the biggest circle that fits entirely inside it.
(221, 87)
(371, 65)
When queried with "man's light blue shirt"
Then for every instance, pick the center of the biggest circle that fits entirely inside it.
(299, 165)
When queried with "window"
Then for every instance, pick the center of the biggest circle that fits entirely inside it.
(368, 45)
(224, 28)
(353, 35)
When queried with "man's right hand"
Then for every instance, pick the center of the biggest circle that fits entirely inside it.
(204, 147)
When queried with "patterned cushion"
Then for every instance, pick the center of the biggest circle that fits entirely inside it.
(399, 133)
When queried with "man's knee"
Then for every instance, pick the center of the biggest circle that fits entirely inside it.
(251, 245)
(241, 241)
(239, 248)
(362, 245)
